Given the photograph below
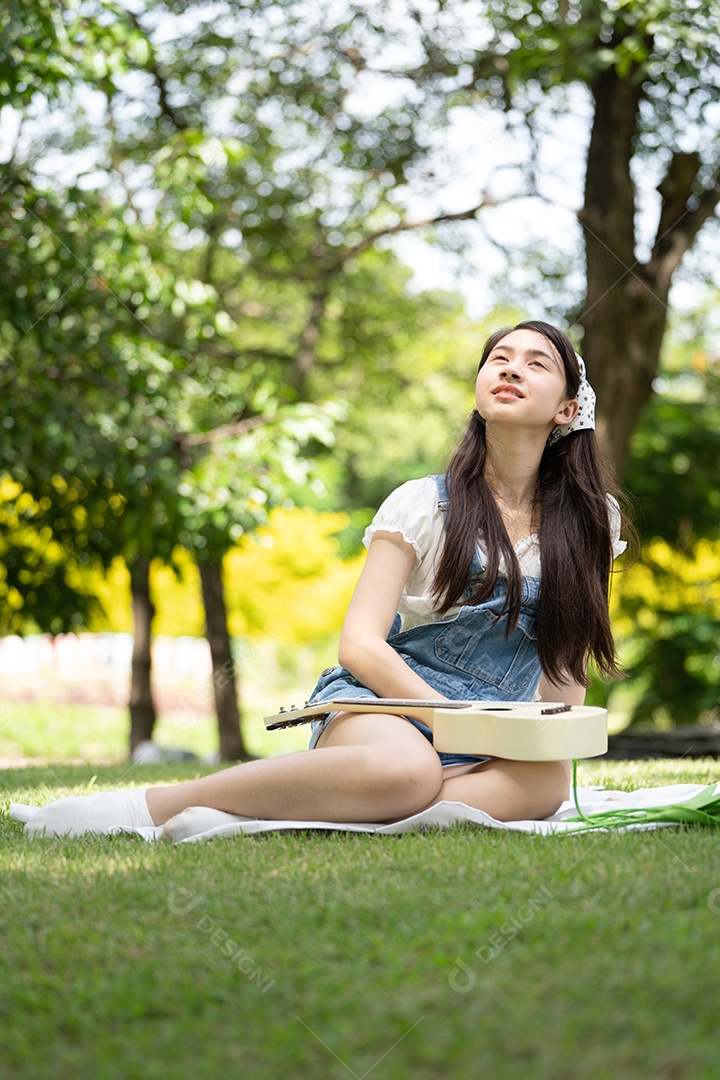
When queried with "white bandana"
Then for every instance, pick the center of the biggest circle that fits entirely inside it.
(585, 418)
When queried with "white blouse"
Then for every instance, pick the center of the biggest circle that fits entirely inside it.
(413, 510)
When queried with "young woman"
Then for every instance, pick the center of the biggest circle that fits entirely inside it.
(489, 582)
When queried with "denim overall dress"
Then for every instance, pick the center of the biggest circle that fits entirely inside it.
(464, 655)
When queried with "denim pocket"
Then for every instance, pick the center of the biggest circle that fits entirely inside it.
(337, 682)
(475, 643)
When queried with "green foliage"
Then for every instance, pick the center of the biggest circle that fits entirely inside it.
(664, 41)
(41, 556)
(667, 610)
(667, 606)
(155, 332)
(34, 51)
(285, 582)
(673, 470)
(395, 436)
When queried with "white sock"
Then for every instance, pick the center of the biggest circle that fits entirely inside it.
(98, 813)
(196, 820)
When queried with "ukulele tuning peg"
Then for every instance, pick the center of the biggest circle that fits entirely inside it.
(282, 709)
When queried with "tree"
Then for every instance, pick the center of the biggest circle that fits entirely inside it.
(138, 365)
(662, 70)
(650, 73)
(320, 148)
(100, 431)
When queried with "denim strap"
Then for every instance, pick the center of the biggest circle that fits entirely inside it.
(441, 484)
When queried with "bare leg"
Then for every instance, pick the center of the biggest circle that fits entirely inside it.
(366, 768)
(511, 790)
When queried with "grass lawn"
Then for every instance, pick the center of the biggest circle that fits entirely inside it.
(43, 729)
(465, 953)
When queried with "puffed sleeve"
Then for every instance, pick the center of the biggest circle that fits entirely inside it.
(412, 511)
(615, 522)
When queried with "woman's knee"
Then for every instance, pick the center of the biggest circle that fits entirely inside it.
(413, 774)
(547, 786)
(395, 760)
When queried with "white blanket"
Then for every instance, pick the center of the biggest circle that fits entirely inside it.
(443, 814)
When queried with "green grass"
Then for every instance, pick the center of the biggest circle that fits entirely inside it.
(100, 732)
(464, 953)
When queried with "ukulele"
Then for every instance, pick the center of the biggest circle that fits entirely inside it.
(519, 730)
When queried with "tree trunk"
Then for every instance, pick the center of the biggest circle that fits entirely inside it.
(224, 680)
(623, 319)
(626, 304)
(308, 342)
(142, 707)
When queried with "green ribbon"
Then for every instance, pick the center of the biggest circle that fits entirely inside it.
(701, 809)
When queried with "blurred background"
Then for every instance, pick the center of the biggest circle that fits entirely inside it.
(249, 255)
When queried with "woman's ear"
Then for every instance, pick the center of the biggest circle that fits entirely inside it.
(567, 413)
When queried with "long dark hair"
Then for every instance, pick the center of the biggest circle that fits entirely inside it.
(570, 510)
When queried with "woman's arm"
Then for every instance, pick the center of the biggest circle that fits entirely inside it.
(570, 693)
(364, 650)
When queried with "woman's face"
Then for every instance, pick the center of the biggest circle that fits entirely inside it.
(523, 383)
